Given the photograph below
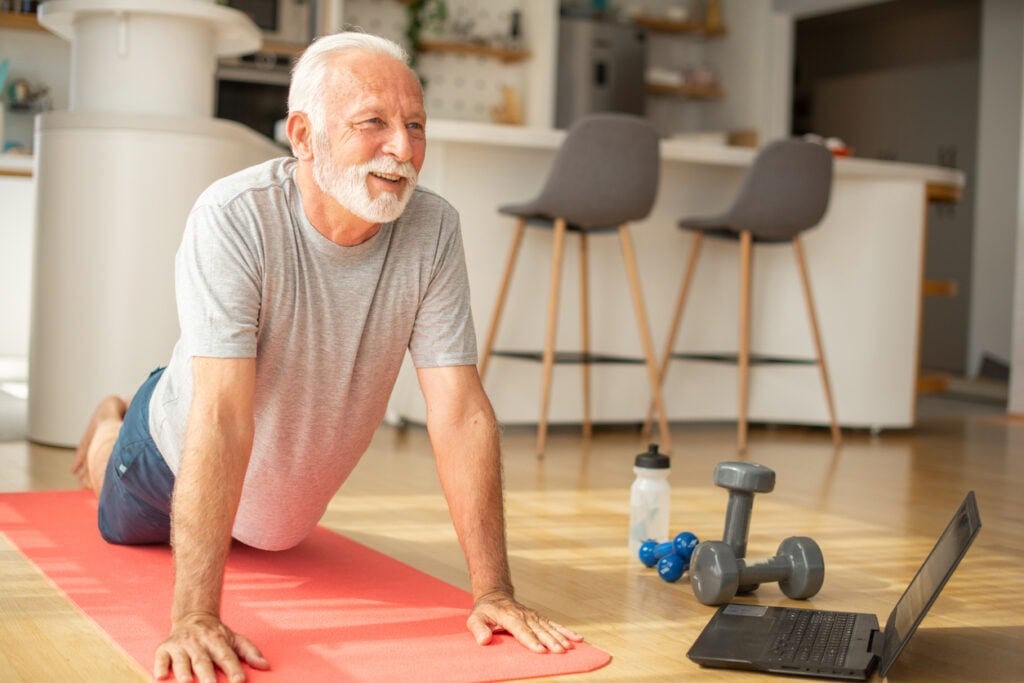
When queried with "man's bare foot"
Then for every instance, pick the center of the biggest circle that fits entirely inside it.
(94, 449)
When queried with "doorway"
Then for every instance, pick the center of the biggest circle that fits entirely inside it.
(899, 81)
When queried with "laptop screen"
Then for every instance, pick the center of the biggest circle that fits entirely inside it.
(931, 577)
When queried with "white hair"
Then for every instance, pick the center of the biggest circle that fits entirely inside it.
(307, 91)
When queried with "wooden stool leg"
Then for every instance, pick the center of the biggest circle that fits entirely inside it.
(585, 331)
(746, 256)
(677, 319)
(629, 257)
(552, 329)
(818, 349)
(499, 306)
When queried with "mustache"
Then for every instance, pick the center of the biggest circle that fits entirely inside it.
(389, 166)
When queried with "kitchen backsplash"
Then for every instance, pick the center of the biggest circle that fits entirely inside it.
(458, 86)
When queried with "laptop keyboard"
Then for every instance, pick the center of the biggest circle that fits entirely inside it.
(811, 637)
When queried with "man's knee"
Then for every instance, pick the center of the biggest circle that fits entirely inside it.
(122, 528)
(124, 519)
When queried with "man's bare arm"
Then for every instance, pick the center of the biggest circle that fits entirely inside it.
(464, 435)
(218, 443)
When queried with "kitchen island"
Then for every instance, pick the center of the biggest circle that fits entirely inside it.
(865, 260)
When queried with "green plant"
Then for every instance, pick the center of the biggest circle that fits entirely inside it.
(422, 14)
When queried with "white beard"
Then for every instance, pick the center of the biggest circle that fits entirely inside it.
(347, 186)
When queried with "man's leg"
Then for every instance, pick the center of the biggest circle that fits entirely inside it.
(93, 452)
(118, 459)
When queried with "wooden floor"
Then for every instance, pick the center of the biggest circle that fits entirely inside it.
(875, 507)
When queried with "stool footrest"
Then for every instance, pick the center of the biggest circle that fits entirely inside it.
(570, 357)
(755, 358)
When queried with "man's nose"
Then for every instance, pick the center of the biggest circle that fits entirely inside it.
(399, 144)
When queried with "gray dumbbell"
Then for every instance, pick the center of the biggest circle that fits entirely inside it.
(716, 574)
(743, 480)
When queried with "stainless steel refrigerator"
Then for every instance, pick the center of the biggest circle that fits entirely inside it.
(601, 67)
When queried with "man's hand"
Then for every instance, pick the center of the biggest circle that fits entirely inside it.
(201, 644)
(498, 611)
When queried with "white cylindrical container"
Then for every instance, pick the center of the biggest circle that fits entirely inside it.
(103, 312)
(649, 499)
(147, 56)
(115, 49)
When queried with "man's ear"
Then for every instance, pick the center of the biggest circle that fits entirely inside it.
(300, 135)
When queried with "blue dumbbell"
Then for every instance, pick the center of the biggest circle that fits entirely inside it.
(651, 551)
(671, 567)
(684, 544)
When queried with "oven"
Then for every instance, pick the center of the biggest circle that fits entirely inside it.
(253, 89)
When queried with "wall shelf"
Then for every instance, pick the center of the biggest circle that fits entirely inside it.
(680, 27)
(20, 21)
(280, 48)
(474, 49)
(692, 92)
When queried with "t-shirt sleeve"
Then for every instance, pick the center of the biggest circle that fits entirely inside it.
(217, 284)
(443, 334)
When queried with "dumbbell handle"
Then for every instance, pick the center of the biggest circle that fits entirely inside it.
(737, 521)
(766, 571)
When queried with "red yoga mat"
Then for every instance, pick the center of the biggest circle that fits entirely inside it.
(329, 609)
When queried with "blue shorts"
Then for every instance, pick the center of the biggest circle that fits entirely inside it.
(135, 503)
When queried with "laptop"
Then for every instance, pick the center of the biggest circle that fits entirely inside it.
(849, 645)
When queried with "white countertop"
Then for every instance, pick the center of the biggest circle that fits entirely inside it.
(676, 149)
(684, 150)
(16, 164)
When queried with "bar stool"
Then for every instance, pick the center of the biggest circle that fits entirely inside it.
(604, 176)
(785, 192)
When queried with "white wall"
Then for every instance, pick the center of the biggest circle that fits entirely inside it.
(995, 11)
(743, 58)
(998, 213)
(996, 323)
(467, 88)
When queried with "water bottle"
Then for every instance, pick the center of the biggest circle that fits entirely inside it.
(649, 499)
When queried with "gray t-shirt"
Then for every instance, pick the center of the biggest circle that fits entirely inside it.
(328, 325)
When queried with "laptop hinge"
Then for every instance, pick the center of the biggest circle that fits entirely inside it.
(877, 642)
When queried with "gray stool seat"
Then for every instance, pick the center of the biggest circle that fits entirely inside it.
(603, 177)
(785, 193)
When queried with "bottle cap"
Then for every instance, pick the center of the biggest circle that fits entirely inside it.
(652, 459)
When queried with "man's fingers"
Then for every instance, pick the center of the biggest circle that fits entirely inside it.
(162, 665)
(182, 666)
(250, 654)
(480, 629)
(224, 656)
(202, 669)
(532, 630)
(543, 635)
(199, 650)
(568, 633)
